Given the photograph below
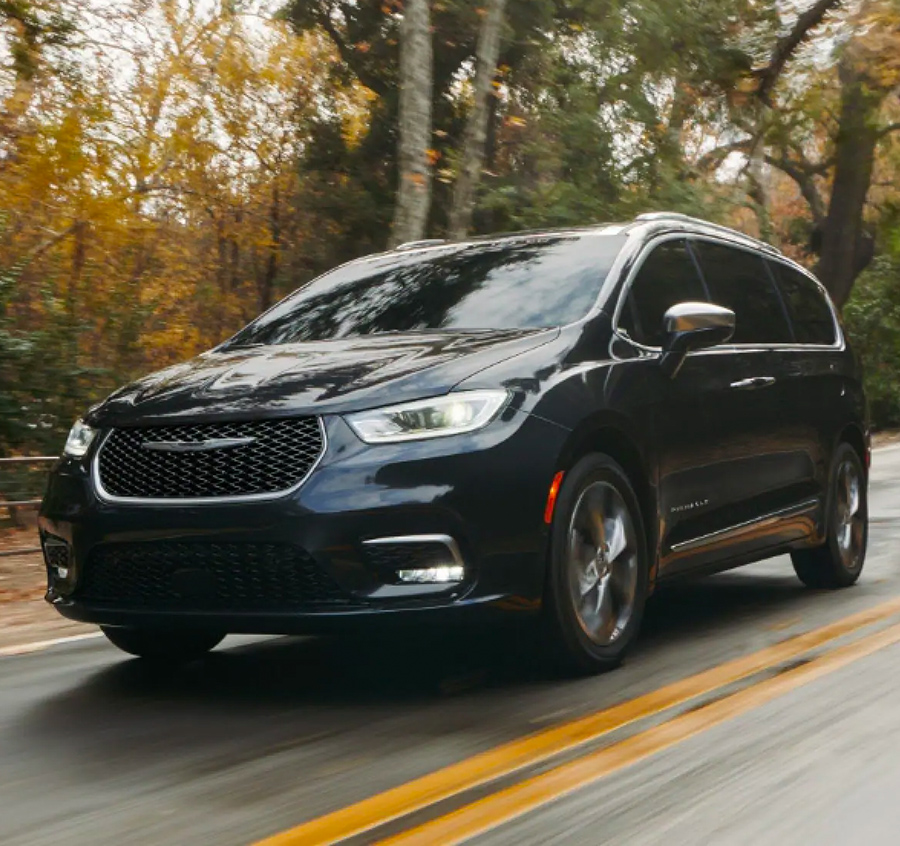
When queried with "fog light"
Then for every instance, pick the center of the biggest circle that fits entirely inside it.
(58, 557)
(443, 575)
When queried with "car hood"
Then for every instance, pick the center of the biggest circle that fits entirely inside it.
(317, 377)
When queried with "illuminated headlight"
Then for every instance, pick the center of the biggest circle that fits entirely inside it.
(80, 438)
(453, 414)
(442, 575)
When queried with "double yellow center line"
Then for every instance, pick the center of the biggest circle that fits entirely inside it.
(508, 803)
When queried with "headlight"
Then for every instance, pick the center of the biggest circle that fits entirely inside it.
(453, 414)
(80, 438)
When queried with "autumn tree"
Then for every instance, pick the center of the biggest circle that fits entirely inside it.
(415, 82)
(150, 193)
(824, 134)
(487, 54)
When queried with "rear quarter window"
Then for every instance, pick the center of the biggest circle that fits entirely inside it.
(807, 306)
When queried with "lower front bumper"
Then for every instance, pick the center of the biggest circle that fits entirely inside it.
(466, 612)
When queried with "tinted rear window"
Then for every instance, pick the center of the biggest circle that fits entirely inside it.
(666, 277)
(527, 282)
(806, 304)
(738, 279)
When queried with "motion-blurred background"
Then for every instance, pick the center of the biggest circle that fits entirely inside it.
(169, 168)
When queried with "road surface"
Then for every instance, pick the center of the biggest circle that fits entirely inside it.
(769, 739)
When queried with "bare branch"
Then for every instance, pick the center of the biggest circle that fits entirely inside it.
(786, 46)
(802, 172)
(39, 249)
(715, 157)
(350, 57)
(887, 130)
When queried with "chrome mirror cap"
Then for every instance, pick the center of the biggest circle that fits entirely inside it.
(693, 317)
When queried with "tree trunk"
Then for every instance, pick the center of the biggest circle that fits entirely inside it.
(235, 261)
(843, 238)
(487, 53)
(759, 190)
(267, 286)
(416, 81)
(79, 254)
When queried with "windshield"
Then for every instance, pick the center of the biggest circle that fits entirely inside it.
(518, 283)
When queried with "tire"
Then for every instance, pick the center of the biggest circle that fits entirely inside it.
(164, 646)
(594, 603)
(839, 561)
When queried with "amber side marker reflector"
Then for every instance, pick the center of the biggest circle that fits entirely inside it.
(551, 497)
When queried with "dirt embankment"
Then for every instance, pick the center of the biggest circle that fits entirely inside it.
(24, 616)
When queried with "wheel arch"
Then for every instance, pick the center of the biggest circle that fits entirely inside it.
(612, 439)
(854, 435)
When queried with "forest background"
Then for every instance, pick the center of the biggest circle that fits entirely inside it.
(169, 168)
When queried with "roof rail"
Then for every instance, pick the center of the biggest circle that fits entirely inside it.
(649, 217)
(425, 242)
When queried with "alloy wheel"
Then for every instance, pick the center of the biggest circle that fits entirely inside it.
(602, 560)
(849, 514)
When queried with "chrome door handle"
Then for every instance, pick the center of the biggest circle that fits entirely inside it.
(754, 383)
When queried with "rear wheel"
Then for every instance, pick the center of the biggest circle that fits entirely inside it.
(839, 561)
(597, 580)
(171, 647)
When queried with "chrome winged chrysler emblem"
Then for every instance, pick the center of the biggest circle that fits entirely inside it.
(196, 446)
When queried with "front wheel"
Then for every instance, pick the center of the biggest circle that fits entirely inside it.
(839, 561)
(598, 569)
(160, 645)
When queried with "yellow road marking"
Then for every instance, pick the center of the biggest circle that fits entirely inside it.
(518, 754)
(501, 807)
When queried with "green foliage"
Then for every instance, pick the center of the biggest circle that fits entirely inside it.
(872, 320)
(15, 347)
(43, 388)
(232, 166)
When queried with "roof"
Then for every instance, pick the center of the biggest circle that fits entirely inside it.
(651, 220)
(687, 223)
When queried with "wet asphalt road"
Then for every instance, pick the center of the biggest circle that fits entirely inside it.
(268, 733)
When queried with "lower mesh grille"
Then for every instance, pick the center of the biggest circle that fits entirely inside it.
(56, 553)
(390, 557)
(207, 576)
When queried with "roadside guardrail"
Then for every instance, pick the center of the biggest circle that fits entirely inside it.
(22, 479)
(16, 488)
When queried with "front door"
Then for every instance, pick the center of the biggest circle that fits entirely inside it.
(687, 414)
(758, 480)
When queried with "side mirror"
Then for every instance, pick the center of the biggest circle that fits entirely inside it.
(693, 326)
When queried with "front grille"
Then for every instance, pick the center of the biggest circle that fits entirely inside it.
(172, 575)
(279, 457)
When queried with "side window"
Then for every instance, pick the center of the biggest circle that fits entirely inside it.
(806, 304)
(666, 277)
(738, 280)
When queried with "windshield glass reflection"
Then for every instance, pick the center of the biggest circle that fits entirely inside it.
(528, 282)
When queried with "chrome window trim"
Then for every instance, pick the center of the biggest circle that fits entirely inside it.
(839, 341)
(643, 255)
(693, 235)
(106, 496)
(446, 540)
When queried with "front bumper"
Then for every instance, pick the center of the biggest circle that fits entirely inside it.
(487, 491)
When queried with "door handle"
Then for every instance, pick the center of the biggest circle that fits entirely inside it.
(753, 383)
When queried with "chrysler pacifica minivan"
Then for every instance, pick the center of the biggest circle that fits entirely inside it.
(546, 424)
